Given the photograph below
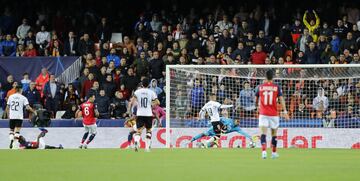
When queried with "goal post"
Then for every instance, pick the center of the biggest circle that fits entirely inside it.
(322, 100)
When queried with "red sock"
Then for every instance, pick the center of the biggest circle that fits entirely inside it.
(273, 148)
(263, 147)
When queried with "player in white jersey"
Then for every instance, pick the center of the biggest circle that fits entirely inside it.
(212, 109)
(15, 110)
(144, 97)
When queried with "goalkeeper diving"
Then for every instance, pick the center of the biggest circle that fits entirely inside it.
(230, 126)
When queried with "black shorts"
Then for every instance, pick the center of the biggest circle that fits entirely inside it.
(15, 123)
(218, 126)
(144, 121)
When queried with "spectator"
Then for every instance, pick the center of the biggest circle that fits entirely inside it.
(278, 48)
(247, 100)
(154, 87)
(22, 31)
(302, 112)
(71, 45)
(43, 40)
(87, 85)
(130, 80)
(85, 45)
(355, 59)
(259, 56)
(197, 98)
(312, 54)
(102, 101)
(157, 67)
(296, 30)
(94, 89)
(71, 97)
(141, 66)
(56, 50)
(20, 51)
(304, 40)
(109, 86)
(124, 91)
(339, 29)
(41, 80)
(25, 81)
(320, 103)
(335, 43)
(181, 104)
(8, 47)
(29, 39)
(12, 90)
(52, 95)
(225, 41)
(155, 23)
(119, 106)
(30, 51)
(113, 57)
(103, 31)
(348, 44)
(32, 94)
(224, 23)
(70, 113)
(313, 25)
(326, 31)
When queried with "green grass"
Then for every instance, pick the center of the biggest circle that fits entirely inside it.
(179, 164)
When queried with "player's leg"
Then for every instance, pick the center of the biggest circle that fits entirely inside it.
(139, 126)
(92, 131)
(263, 125)
(85, 136)
(130, 136)
(11, 133)
(274, 125)
(217, 126)
(148, 126)
(18, 125)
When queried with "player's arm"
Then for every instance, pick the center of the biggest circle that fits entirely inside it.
(30, 109)
(202, 113)
(283, 105)
(97, 114)
(224, 106)
(7, 110)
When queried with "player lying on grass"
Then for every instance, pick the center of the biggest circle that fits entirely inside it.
(38, 144)
(230, 127)
(212, 109)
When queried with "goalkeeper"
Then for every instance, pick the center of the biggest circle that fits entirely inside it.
(230, 126)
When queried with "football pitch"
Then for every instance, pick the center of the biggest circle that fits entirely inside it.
(179, 164)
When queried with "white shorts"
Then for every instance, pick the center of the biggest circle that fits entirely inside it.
(90, 128)
(269, 121)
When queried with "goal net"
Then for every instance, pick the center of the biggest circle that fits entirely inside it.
(322, 102)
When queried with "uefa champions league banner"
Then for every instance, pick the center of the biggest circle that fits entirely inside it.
(16, 66)
(180, 137)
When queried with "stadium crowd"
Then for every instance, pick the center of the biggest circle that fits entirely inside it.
(239, 34)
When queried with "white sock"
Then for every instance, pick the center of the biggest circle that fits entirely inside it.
(11, 137)
(137, 138)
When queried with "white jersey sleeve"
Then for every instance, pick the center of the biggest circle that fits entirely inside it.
(144, 98)
(17, 103)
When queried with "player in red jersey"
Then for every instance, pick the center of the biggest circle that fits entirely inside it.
(89, 113)
(267, 95)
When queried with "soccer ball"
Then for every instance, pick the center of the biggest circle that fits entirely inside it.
(252, 144)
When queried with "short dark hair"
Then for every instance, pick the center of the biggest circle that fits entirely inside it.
(269, 75)
(145, 82)
(212, 94)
